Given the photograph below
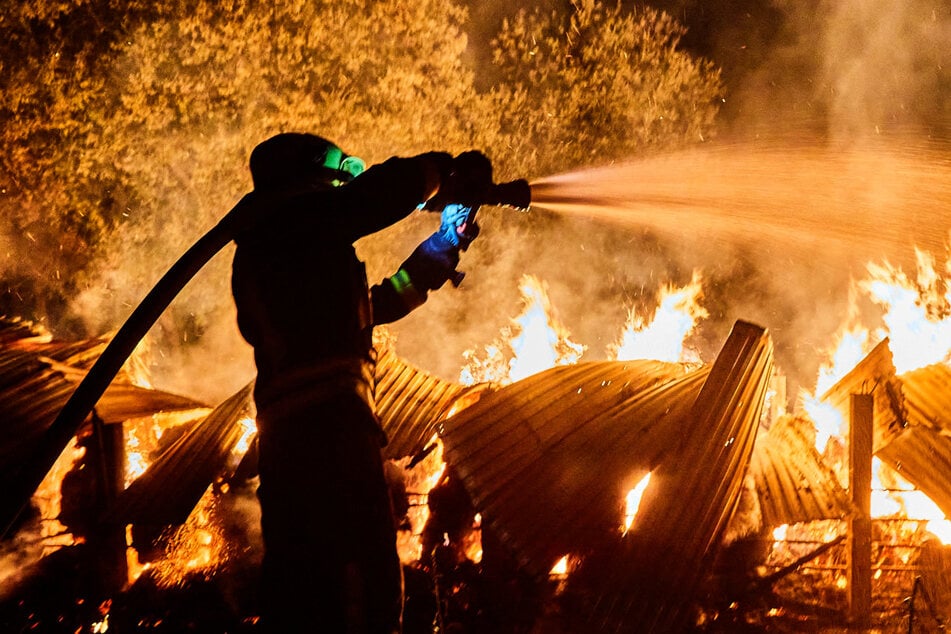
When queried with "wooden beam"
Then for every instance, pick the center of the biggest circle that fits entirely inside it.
(861, 419)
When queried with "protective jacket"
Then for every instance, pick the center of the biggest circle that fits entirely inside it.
(301, 292)
(304, 305)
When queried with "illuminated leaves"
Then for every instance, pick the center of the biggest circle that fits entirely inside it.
(128, 123)
(604, 84)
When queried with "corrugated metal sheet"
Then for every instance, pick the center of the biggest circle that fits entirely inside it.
(647, 579)
(792, 483)
(926, 398)
(912, 418)
(123, 401)
(921, 452)
(35, 383)
(410, 403)
(14, 330)
(549, 459)
(172, 485)
(875, 375)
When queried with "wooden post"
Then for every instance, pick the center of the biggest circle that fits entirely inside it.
(860, 524)
(109, 539)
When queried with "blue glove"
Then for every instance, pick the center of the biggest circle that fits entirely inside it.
(458, 225)
(433, 263)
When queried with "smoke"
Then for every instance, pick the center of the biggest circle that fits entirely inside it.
(885, 65)
(845, 70)
(779, 234)
(860, 67)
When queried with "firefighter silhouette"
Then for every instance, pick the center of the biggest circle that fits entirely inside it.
(305, 306)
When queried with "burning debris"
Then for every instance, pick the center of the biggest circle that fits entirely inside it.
(587, 495)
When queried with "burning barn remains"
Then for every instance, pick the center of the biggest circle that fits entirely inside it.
(583, 496)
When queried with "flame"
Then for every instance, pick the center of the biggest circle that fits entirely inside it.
(539, 342)
(542, 342)
(662, 338)
(916, 318)
(633, 502)
(560, 569)
(853, 345)
(420, 480)
(143, 438)
(885, 502)
(899, 498)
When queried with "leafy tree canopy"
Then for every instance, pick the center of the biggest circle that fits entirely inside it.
(127, 124)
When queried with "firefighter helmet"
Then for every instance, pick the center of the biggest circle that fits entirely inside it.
(296, 158)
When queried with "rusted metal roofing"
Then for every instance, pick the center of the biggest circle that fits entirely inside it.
(792, 483)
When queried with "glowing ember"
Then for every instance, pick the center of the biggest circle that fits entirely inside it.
(472, 544)
(633, 502)
(197, 548)
(420, 480)
(662, 337)
(560, 569)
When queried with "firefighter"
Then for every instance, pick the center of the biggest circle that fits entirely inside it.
(304, 305)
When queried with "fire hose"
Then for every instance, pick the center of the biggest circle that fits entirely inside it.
(15, 495)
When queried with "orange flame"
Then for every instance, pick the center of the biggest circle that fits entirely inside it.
(662, 337)
(539, 342)
(916, 320)
(633, 502)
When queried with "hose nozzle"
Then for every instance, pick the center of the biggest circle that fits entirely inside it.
(517, 194)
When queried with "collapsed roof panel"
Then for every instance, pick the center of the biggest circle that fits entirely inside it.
(410, 403)
(912, 419)
(549, 459)
(921, 452)
(927, 397)
(35, 383)
(875, 375)
(792, 482)
(645, 580)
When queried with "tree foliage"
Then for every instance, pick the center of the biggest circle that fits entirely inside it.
(127, 124)
(600, 84)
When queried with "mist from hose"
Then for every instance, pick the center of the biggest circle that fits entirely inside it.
(847, 205)
(779, 232)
